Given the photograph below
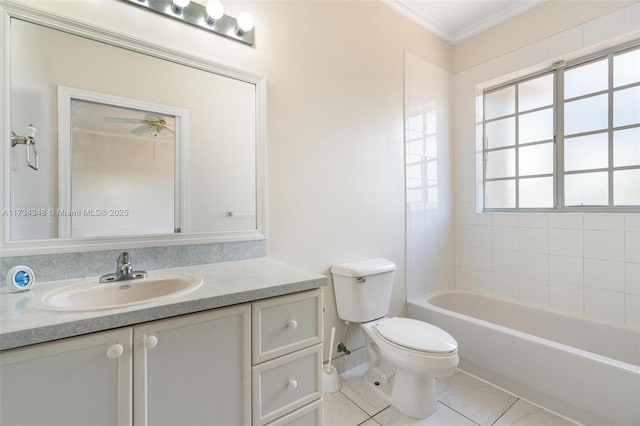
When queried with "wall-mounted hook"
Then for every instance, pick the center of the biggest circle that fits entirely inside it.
(29, 142)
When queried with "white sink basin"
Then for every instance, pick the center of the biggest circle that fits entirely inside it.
(90, 295)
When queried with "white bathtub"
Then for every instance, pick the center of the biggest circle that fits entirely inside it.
(585, 370)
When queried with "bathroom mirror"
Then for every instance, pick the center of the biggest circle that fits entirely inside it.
(136, 145)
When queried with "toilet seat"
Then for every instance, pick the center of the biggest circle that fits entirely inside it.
(416, 335)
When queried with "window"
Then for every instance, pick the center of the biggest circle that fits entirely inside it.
(567, 138)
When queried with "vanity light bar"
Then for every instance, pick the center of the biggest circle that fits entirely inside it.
(196, 14)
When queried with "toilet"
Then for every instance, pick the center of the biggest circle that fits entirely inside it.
(405, 355)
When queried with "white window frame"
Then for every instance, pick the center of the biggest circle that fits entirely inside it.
(558, 70)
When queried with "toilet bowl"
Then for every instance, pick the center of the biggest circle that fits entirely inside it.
(405, 355)
(417, 353)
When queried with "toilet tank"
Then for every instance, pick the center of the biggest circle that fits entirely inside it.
(363, 289)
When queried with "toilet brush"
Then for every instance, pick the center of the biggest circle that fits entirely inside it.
(330, 379)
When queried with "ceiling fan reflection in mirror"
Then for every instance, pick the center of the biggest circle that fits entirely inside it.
(152, 124)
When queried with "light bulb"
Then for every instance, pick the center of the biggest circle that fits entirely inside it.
(215, 10)
(245, 23)
(178, 5)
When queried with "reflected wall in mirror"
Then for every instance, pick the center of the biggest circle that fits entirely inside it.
(213, 167)
(118, 165)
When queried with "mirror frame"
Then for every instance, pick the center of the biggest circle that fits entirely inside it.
(10, 10)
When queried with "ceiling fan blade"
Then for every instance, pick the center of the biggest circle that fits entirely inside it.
(121, 120)
(140, 130)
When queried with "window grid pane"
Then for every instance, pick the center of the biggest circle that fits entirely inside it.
(601, 149)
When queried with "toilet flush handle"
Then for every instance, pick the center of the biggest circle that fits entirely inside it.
(361, 280)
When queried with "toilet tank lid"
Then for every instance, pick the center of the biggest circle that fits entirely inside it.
(363, 268)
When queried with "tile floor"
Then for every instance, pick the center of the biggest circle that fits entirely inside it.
(463, 400)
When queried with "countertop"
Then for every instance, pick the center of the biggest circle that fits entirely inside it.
(225, 284)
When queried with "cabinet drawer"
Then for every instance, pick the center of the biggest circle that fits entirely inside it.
(309, 415)
(285, 324)
(282, 385)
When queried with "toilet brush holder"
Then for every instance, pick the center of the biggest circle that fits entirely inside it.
(330, 379)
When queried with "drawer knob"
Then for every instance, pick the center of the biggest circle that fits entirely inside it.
(150, 342)
(293, 324)
(293, 384)
(115, 351)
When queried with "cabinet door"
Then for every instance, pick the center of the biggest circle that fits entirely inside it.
(77, 381)
(194, 370)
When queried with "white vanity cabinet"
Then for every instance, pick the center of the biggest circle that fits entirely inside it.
(83, 380)
(287, 358)
(194, 369)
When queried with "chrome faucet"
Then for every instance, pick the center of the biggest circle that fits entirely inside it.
(124, 270)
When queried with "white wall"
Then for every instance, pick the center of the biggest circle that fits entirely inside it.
(335, 190)
(581, 264)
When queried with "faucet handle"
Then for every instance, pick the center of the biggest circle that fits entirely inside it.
(124, 258)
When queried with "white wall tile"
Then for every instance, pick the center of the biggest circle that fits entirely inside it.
(463, 256)
(604, 222)
(632, 247)
(481, 259)
(474, 236)
(505, 238)
(604, 305)
(533, 291)
(533, 240)
(481, 280)
(416, 238)
(604, 274)
(632, 222)
(505, 285)
(533, 265)
(632, 309)
(567, 270)
(566, 220)
(463, 277)
(505, 261)
(416, 262)
(605, 245)
(415, 285)
(505, 219)
(566, 298)
(566, 242)
(533, 220)
(632, 278)
(604, 28)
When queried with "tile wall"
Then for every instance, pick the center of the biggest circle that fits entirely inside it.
(429, 177)
(580, 264)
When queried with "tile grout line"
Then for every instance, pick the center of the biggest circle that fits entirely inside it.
(458, 412)
(505, 411)
(356, 404)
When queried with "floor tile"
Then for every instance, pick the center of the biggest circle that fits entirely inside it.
(445, 416)
(370, 422)
(473, 398)
(354, 387)
(524, 413)
(341, 411)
